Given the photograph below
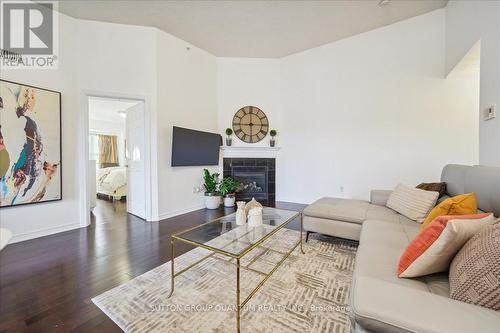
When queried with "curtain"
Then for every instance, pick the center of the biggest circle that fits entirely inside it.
(108, 150)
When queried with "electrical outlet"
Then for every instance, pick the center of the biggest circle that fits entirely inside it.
(490, 112)
(341, 189)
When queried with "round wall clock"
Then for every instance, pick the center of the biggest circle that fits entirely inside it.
(250, 124)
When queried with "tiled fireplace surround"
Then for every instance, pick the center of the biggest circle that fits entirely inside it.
(262, 171)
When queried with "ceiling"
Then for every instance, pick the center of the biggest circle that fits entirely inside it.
(109, 109)
(260, 29)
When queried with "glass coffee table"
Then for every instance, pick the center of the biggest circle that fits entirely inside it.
(223, 236)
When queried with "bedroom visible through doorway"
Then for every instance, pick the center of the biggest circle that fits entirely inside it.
(116, 158)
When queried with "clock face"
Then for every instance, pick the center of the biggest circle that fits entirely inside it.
(250, 124)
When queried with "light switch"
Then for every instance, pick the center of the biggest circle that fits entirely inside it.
(490, 112)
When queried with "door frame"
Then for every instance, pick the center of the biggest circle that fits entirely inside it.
(150, 169)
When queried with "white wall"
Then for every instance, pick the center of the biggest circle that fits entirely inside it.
(187, 97)
(371, 111)
(466, 23)
(117, 58)
(248, 81)
(45, 218)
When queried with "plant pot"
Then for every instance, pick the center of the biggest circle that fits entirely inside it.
(212, 200)
(272, 142)
(229, 142)
(229, 200)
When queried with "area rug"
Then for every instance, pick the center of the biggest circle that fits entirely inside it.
(308, 293)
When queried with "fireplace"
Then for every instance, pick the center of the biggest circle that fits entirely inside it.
(257, 176)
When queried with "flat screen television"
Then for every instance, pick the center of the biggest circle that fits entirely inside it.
(194, 148)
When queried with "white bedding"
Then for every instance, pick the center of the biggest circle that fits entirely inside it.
(109, 180)
(101, 174)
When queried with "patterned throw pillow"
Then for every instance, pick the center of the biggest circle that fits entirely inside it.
(412, 202)
(475, 271)
(434, 248)
(436, 187)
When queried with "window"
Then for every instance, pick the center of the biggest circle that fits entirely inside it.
(93, 146)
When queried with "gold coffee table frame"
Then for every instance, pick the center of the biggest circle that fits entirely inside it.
(238, 257)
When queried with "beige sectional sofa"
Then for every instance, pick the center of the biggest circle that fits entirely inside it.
(382, 302)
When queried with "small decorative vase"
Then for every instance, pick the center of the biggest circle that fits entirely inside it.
(229, 142)
(255, 217)
(272, 142)
(241, 215)
(252, 204)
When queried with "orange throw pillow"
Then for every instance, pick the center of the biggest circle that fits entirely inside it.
(435, 247)
(458, 205)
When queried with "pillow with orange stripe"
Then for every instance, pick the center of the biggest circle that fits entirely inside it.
(435, 247)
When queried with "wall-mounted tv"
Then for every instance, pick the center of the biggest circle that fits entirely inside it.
(194, 148)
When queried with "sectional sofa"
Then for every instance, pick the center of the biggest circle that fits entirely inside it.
(382, 302)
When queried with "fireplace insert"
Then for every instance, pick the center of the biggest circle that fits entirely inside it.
(257, 176)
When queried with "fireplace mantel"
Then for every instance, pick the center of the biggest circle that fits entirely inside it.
(249, 152)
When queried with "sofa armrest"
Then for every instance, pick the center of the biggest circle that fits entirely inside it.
(379, 197)
(382, 306)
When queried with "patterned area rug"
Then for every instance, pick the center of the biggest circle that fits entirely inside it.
(308, 293)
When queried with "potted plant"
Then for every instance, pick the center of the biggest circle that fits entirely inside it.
(229, 132)
(228, 188)
(272, 133)
(212, 197)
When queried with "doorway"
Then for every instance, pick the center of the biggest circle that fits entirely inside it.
(116, 155)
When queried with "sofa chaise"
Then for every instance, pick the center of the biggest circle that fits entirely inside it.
(382, 302)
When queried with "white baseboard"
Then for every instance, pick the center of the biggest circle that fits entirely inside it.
(167, 215)
(44, 232)
(293, 200)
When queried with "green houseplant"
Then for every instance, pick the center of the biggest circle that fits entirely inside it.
(229, 140)
(228, 188)
(212, 197)
(273, 134)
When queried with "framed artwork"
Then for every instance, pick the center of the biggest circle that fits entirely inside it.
(30, 145)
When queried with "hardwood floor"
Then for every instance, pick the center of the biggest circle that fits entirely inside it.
(46, 284)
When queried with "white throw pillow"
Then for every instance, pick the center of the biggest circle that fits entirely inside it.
(412, 202)
(439, 243)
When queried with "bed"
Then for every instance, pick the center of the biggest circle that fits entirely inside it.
(112, 182)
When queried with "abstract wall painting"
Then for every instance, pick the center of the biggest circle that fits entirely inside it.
(30, 145)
